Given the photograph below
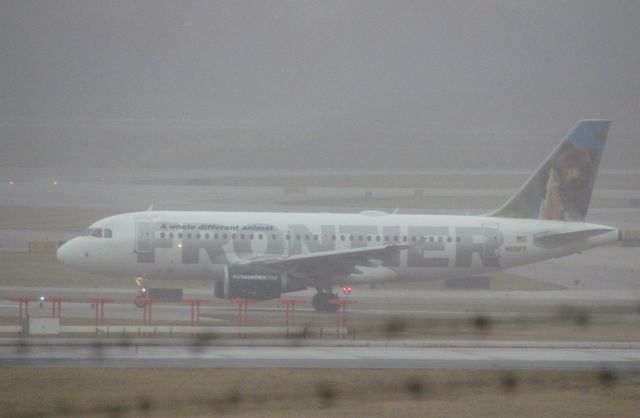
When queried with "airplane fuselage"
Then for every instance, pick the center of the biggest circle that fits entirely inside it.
(186, 245)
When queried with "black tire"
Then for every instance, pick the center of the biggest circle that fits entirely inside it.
(320, 302)
(316, 302)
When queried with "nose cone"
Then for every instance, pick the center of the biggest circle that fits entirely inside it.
(65, 253)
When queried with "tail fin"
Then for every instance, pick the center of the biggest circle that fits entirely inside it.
(561, 187)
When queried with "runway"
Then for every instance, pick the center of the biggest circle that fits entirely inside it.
(445, 355)
(380, 295)
(608, 306)
(427, 305)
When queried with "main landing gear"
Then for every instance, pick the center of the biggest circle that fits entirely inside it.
(320, 301)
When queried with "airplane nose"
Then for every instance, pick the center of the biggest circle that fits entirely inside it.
(63, 254)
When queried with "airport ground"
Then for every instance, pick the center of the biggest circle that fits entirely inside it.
(167, 392)
(448, 380)
(512, 307)
(586, 305)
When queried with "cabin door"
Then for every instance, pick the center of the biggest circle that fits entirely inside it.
(144, 235)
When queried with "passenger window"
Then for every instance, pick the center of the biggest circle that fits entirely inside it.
(378, 238)
(180, 235)
(306, 237)
(298, 237)
(170, 235)
(224, 236)
(440, 239)
(457, 239)
(404, 238)
(250, 236)
(413, 238)
(206, 236)
(241, 236)
(359, 237)
(288, 237)
(369, 238)
(341, 237)
(333, 237)
(233, 236)
(97, 233)
(448, 239)
(198, 236)
(108, 233)
(161, 234)
(259, 236)
(351, 237)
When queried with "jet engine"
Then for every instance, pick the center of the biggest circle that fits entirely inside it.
(249, 282)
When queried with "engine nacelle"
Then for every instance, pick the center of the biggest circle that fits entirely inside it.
(249, 282)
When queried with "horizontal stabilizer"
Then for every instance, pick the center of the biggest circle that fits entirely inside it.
(553, 240)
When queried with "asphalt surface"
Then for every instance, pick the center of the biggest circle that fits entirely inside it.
(127, 190)
(323, 353)
(459, 304)
(466, 356)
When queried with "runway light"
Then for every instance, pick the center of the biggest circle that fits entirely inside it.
(41, 298)
(180, 245)
(54, 182)
(12, 183)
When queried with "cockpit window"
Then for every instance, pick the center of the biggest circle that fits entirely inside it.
(108, 233)
(97, 233)
(87, 232)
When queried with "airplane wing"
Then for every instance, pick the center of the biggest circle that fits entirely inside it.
(552, 239)
(343, 261)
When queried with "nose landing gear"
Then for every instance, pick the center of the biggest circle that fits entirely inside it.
(143, 292)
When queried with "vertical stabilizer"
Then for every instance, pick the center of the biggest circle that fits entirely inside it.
(561, 187)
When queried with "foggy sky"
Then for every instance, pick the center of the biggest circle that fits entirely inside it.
(192, 83)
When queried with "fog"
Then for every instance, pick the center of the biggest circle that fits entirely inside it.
(363, 84)
(294, 159)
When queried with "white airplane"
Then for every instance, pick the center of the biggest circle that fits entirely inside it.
(261, 255)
